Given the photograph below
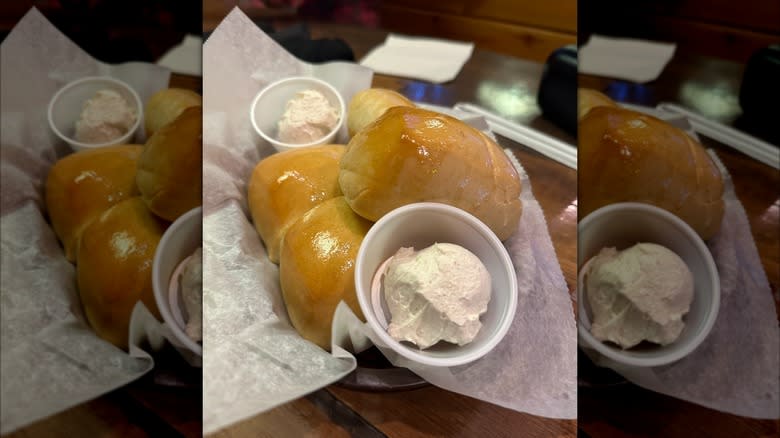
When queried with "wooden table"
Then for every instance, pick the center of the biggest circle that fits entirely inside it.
(165, 402)
(487, 78)
(696, 82)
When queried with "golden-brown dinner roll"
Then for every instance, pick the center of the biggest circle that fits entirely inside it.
(318, 265)
(166, 105)
(115, 267)
(286, 185)
(413, 155)
(83, 185)
(588, 98)
(627, 156)
(171, 165)
(368, 105)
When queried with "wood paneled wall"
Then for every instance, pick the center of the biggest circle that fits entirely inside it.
(523, 28)
(729, 29)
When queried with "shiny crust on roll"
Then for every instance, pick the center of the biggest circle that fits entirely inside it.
(413, 155)
(83, 185)
(286, 185)
(317, 267)
(368, 105)
(114, 267)
(170, 168)
(627, 156)
(166, 105)
(588, 98)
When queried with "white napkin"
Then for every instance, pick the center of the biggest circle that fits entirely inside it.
(184, 58)
(428, 59)
(624, 58)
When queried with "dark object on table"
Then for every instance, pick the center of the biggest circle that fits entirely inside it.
(375, 373)
(296, 39)
(171, 370)
(759, 92)
(558, 89)
(590, 375)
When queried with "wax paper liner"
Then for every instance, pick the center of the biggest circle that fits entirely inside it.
(737, 367)
(50, 360)
(254, 360)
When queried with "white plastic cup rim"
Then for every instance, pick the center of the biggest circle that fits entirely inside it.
(77, 145)
(160, 285)
(280, 145)
(615, 353)
(368, 307)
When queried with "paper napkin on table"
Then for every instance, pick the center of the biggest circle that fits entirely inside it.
(428, 59)
(624, 58)
(185, 58)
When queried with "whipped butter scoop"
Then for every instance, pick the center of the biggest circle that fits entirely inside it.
(436, 294)
(192, 294)
(104, 117)
(308, 117)
(639, 294)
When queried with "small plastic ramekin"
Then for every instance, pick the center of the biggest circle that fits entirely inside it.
(179, 241)
(421, 225)
(269, 106)
(621, 226)
(67, 104)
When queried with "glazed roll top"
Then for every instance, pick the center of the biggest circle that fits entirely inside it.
(83, 185)
(369, 105)
(167, 105)
(413, 155)
(114, 267)
(588, 99)
(170, 168)
(286, 185)
(317, 267)
(626, 156)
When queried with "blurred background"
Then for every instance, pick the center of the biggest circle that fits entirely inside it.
(726, 29)
(725, 66)
(114, 31)
(524, 29)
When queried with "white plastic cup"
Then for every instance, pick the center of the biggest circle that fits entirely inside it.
(269, 106)
(67, 104)
(621, 226)
(421, 225)
(178, 242)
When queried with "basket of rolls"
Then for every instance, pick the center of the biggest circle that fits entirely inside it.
(649, 288)
(313, 206)
(110, 206)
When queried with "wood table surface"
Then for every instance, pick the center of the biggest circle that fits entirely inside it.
(167, 402)
(709, 86)
(506, 86)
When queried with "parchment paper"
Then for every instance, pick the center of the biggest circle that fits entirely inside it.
(737, 368)
(254, 360)
(50, 360)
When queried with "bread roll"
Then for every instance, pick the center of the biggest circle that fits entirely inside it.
(83, 185)
(588, 98)
(629, 156)
(412, 155)
(318, 265)
(166, 105)
(286, 185)
(171, 165)
(115, 267)
(368, 105)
